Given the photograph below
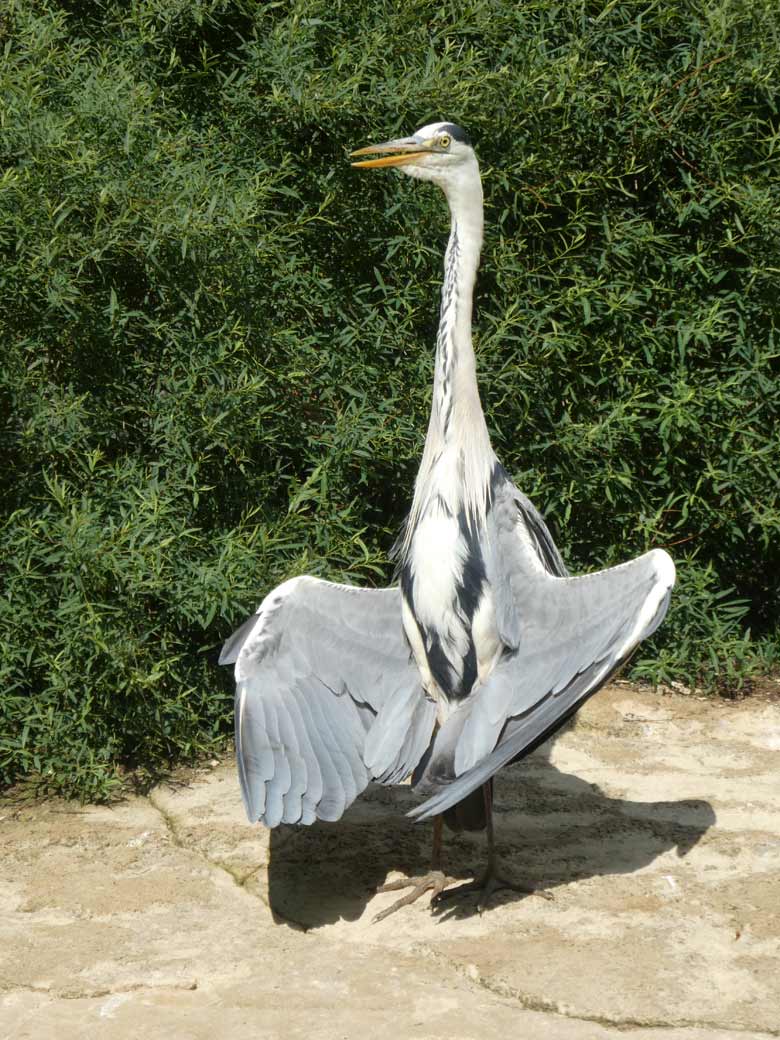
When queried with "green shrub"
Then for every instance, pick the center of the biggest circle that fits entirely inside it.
(217, 338)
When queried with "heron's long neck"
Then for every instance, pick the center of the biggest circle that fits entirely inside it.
(456, 411)
(458, 460)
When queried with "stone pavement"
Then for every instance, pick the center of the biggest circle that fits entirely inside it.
(654, 823)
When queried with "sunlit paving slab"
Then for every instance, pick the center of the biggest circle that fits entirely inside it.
(653, 824)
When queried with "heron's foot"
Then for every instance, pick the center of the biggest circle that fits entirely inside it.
(486, 886)
(434, 882)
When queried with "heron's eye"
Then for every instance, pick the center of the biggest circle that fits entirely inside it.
(444, 140)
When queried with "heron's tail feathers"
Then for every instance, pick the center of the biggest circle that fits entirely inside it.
(468, 815)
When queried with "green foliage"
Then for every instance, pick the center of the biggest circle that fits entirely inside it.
(217, 338)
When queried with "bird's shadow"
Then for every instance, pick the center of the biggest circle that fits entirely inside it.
(551, 828)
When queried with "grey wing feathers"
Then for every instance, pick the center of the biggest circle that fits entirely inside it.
(234, 642)
(564, 637)
(327, 699)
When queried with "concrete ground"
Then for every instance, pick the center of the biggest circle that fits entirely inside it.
(655, 825)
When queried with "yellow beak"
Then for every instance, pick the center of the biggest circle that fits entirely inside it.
(404, 150)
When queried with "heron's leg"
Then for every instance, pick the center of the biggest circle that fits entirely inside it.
(490, 881)
(438, 833)
(435, 881)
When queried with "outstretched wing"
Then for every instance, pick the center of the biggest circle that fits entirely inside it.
(564, 637)
(327, 698)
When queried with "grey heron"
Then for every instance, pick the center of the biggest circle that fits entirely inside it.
(484, 648)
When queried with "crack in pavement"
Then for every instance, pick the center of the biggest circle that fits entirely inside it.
(239, 880)
(187, 985)
(496, 987)
(179, 842)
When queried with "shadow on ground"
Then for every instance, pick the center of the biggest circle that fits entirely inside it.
(552, 828)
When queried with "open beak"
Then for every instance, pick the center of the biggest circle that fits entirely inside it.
(393, 153)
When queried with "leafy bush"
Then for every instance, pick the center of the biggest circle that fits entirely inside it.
(217, 337)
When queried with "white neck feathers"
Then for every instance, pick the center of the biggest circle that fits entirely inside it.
(458, 459)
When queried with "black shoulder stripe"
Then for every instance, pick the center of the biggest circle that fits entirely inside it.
(546, 548)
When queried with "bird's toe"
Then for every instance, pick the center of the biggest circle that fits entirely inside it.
(434, 882)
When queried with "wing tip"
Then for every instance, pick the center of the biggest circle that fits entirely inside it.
(656, 602)
(235, 642)
(226, 654)
(665, 569)
(420, 812)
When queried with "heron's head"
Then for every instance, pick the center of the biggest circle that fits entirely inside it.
(438, 152)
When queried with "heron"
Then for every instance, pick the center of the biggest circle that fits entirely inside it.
(484, 647)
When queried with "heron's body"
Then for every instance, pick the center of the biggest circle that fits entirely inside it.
(448, 612)
(447, 604)
(486, 646)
